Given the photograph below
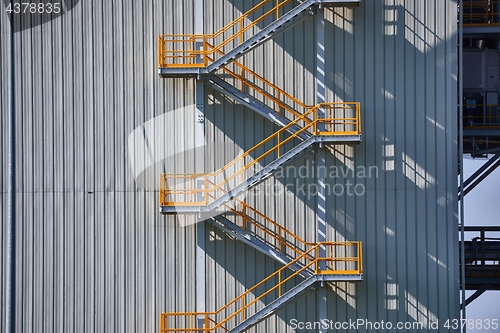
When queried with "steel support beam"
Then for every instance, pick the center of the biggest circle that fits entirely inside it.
(461, 152)
(474, 296)
(10, 227)
(200, 168)
(477, 177)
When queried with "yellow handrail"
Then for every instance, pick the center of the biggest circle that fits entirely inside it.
(238, 306)
(184, 51)
(276, 101)
(481, 13)
(485, 116)
(280, 240)
(329, 122)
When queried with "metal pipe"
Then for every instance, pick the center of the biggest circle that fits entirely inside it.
(10, 269)
(461, 154)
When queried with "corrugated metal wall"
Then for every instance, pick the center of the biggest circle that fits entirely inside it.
(398, 58)
(93, 254)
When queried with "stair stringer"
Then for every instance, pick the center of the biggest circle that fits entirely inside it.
(253, 104)
(244, 236)
(306, 286)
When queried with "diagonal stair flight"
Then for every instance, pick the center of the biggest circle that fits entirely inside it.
(302, 128)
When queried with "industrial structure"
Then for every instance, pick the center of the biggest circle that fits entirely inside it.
(481, 123)
(235, 165)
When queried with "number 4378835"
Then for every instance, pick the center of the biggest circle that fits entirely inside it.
(33, 8)
(485, 324)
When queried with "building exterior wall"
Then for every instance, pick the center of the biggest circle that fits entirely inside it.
(93, 253)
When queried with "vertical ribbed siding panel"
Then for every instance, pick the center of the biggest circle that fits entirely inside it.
(4, 158)
(96, 256)
(389, 140)
(383, 56)
(448, 200)
(404, 135)
(4, 138)
(87, 243)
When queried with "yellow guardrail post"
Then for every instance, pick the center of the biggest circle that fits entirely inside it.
(163, 190)
(243, 79)
(244, 215)
(243, 307)
(241, 30)
(191, 189)
(360, 255)
(242, 169)
(316, 253)
(191, 51)
(278, 103)
(315, 117)
(279, 144)
(162, 323)
(160, 51)
(281, 241)
(205, 51)
(279, 284)
(205, 189)
(360, 119)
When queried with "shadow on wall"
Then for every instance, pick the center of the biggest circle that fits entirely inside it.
(408, 125)
(27, 15)
(395, 65)
(233, 268)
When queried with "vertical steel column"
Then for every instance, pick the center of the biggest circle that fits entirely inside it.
(200, 168)
(321, 159)
(200, 226)
(461, 154)
(10, 269)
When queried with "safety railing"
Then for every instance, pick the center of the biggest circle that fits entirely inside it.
(481, 12)
(321, 120)
(329, 258)
(191, 50)
(482, 116)
(482, 266)
(274, 97)
(281, 238)
(482, 252)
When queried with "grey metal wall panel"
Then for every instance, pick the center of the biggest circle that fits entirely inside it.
(93, 253)
(398, 59)
(88, 235)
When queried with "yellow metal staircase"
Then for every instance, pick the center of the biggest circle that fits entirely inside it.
(192, 193)
(242, 312)
(259, 94)
(303, 128)
(188, 54)
(342, 262)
